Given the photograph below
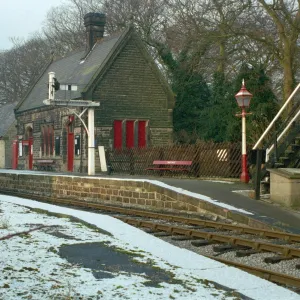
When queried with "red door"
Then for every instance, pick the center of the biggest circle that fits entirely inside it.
(70, 147)
(15, 152)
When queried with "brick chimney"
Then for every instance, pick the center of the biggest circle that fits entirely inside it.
(94, 24)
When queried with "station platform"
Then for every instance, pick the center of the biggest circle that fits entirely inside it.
(237, 195)
(233, 194)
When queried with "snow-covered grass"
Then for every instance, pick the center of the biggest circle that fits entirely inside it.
(32, 267)
(4, 222)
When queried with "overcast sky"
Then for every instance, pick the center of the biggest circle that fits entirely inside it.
(20, 18)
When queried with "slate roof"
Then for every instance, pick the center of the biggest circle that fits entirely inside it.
(7, 117)
(72, 69)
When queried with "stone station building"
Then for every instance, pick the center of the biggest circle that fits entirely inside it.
(135, 110)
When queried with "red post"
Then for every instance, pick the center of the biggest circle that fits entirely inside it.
(15, 154)
(244, 175)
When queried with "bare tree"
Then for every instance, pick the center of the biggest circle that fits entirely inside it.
(276, 26)
(206, 28)
(64, 29)
(20, 67)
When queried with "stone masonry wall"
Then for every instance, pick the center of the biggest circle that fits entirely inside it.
(56, 117)
(9, 137)
(130, 90)
(113, 191)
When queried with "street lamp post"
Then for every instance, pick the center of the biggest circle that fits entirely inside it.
(243, 98)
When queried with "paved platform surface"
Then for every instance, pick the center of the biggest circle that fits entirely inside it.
(264, 211)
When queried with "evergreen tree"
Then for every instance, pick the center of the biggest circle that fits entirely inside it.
(263, 105)
(209, 112)
(217, 114)
(218, 119)
(192, 95)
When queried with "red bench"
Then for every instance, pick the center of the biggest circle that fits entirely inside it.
(171, 165)
(44, 164)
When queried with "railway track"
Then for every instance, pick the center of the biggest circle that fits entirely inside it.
(201, 233)
(200, 238)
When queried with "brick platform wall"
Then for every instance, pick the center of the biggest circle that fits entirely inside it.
(123, 192)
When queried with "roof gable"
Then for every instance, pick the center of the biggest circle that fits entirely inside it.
(85, 70)
(76, 68)
(120, 45)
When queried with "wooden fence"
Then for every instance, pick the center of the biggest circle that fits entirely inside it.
(209, 159)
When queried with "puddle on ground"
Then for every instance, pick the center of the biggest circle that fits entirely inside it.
(106, 262)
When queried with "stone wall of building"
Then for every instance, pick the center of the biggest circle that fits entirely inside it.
(9, 137)
(131, 90)
(58, 118)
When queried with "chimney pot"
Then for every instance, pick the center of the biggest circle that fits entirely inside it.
(94, 24)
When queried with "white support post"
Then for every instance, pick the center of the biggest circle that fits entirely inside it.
(51, 89)
(91, 142)
(244, 147)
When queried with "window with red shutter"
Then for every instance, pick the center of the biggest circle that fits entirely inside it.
(135, 134)
(142, 134)
(118, 134)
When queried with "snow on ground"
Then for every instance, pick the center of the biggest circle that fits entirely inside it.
(31, 267)
(220, 181)
(156, 182)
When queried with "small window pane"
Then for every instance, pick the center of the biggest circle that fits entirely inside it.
(57, 145)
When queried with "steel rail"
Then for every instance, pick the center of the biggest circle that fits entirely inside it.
(259, 246)
(263, 273)
(289, 237)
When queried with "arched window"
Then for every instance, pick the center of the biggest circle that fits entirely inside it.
(47, 140)
(51, 139)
